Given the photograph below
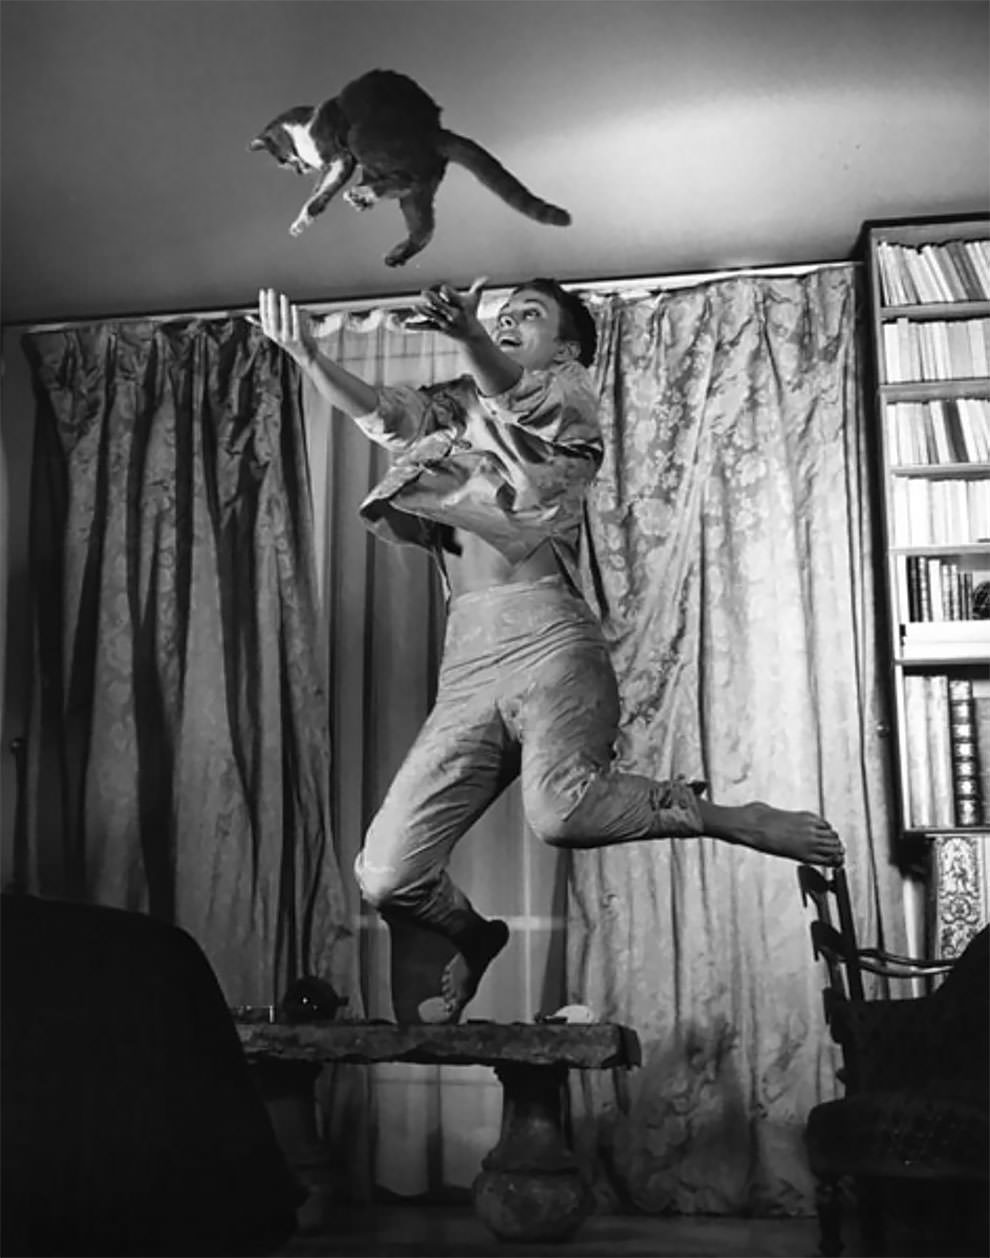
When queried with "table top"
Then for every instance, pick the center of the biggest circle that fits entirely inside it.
(583, 1046)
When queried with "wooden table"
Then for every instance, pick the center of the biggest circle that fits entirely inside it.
(529, 1187)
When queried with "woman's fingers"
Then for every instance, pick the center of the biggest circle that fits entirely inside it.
(278, 318)
(266, 312)
(475, 291)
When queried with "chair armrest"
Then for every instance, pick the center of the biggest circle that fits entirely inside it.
(837, 950)
(893, 965)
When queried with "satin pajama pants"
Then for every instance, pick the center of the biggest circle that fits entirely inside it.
(526, 687)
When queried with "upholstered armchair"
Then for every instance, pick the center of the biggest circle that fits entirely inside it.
(915, 1072)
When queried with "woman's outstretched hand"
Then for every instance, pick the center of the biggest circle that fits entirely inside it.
(455, 314)
(288, 325)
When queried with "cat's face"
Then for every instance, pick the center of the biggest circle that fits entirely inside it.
(289, 140)
(278, 141)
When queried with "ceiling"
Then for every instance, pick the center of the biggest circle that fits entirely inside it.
(682, 136)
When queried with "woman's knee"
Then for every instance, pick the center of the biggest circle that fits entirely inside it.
(557, 820)
(379, 884)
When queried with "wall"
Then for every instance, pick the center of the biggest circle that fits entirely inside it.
(16, 437)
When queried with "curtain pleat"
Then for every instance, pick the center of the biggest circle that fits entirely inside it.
(179, 757)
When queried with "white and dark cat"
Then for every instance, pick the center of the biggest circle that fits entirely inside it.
(386, 125)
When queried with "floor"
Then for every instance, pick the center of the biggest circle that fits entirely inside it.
(918, 1228)
(436, 1232)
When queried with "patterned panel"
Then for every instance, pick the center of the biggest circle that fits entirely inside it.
(960, 896)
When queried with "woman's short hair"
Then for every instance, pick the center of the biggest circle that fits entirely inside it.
(576, 320)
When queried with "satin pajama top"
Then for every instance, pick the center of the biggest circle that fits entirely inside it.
(513, 469)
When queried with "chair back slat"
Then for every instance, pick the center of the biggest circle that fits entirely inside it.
(833, 934)
(840, 887)
(828, 946)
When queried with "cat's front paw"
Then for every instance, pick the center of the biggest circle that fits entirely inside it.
(300, 225)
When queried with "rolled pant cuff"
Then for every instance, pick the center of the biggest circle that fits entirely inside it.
(675, 809)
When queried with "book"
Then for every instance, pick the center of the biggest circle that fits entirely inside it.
(948, 263)
(962, 743)
(937, 589)
(917, 268)
(965, 595)
(980, 258)
(917, 757)
(908, 588)
(891, 284)
(891, 353)
(923, 592)
(975, 290)
(981, 705)
(950, 589)
(942, 769)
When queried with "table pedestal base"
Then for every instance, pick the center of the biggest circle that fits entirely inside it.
(530, 1188)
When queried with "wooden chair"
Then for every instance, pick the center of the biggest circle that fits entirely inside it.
(914, 1072)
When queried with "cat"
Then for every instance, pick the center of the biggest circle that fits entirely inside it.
(386, 125)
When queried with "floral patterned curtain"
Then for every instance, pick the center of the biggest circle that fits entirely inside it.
(179, 759)
(732, 528)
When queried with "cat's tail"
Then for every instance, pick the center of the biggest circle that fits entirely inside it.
(484, 167)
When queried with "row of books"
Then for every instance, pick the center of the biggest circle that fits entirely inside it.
(947, 728)
(953, 270)
(932, 588)
(946, 512)
(936, 349)
(941, 430)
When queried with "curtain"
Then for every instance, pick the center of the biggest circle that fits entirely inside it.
(384, 615)
(179, 758)
(733, 531)
(179, 752)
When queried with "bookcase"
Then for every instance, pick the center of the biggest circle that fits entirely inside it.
(929, 290)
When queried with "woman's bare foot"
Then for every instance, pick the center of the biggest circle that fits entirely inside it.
(462, 975)
(799, 836)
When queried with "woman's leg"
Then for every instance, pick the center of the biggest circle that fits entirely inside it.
(572, 794)
(459, 764)
(574, 797)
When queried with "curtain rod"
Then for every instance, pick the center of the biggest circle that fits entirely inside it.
(403, 300)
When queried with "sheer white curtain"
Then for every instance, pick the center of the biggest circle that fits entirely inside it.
(383, 618)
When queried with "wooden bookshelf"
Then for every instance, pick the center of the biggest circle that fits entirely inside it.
(929, 304)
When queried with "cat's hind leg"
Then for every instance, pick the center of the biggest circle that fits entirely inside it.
(330, 183)
(417, 210)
